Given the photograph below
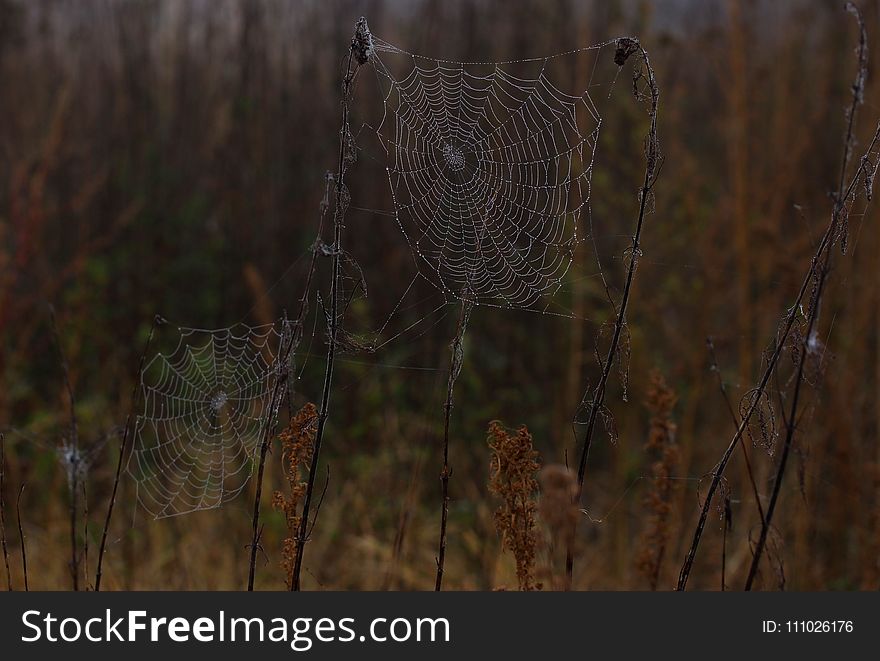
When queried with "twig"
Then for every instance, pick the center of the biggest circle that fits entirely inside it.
(714, 367)
(126, 433)
(295, 331)
(625, 48)
(320, 502)
(825, 244)
(21, 538)
(3, 510)
(456, 359)
(72, 453)
(726, 526)
(274, 403)
(361, 35)
(85, 497)
(837, 213)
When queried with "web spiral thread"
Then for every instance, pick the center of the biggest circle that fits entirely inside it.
(205, 408)
(489, 166)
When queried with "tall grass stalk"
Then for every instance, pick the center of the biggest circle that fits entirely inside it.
(293, 333)
(123, 446)
(745, 453)
(456, 360)
(814, 279)
(625, 48)
(361, 37)
(806, 350)
(21, 540)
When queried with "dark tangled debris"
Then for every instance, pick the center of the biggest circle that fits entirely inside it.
(626, 46)
(362, 42)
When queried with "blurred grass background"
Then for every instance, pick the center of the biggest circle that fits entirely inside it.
(169, 157)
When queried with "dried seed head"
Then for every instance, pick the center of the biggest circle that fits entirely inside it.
(297, 444)
(626, 46)
(512, 478)
(362, 43)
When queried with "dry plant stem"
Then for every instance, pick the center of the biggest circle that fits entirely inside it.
(820, 256)
(723, 389)
(598, 398)
(455, 360)
(289, 339)
(274, 401)
(85, 497)
(281, 375)
(126, 434)
(3, 510)
(839, 208)
(332, 330)
(21, 538)
(724, 529)
(74, 453)
(759, 391)
(789, 435)
(294, 335)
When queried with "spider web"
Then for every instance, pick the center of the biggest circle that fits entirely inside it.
(205, 407)
(489, 166)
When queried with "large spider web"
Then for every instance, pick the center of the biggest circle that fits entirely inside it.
(489, 166)
(205, 407)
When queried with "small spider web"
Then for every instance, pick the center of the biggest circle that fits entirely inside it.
(205, 408)
(489, 166)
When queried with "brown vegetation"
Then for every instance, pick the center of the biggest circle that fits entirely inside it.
(512, 472)
(166, 158)
(297, 442)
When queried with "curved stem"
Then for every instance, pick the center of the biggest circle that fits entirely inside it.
(333, 328)
(455, 363)
(789, 435)
(597, 401)
(126, 433)
(274, 402)
(711, 346)
(843, 197)
(21, 540)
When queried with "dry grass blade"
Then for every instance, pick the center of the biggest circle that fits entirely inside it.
(21, 539)
(745, 453)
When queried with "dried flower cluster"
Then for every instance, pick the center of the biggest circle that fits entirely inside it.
(662, 447)
(512, 472)
(297, 445)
